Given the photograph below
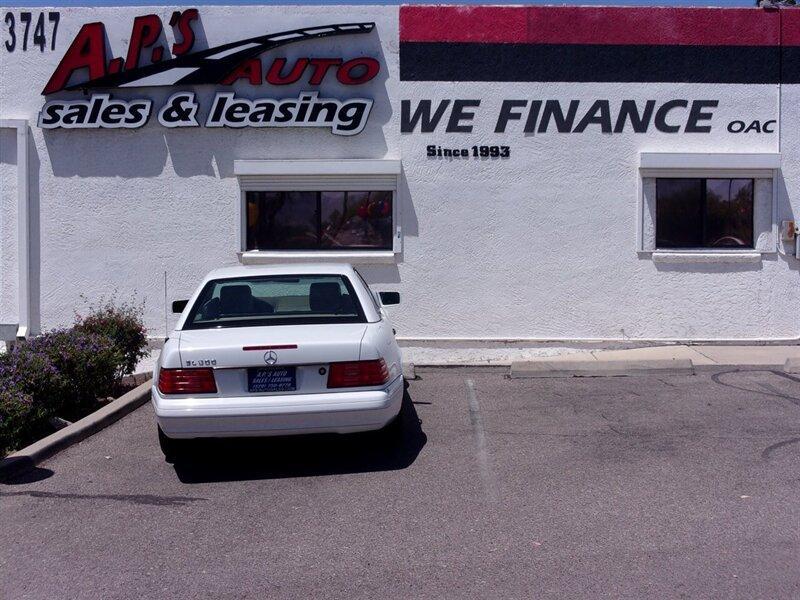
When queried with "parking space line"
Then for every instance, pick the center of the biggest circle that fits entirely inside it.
(481, 453)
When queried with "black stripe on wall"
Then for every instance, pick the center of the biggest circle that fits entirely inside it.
(790, 64)
(459, 61)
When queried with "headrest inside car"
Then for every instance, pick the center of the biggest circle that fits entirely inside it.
(325, 297)
(236, 299)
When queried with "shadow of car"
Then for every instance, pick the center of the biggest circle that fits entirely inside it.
(240, 459)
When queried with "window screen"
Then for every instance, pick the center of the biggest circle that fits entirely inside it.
(704, 213)
(319, 220)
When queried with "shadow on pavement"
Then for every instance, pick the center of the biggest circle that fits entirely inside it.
(308, 455)
(28, 474)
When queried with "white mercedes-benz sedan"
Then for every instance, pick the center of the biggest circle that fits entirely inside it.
(278, 350)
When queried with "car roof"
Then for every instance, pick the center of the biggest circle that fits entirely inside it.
(287, 269)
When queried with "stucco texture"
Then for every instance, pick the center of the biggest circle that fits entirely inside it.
(540, 245)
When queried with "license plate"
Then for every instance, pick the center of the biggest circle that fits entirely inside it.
(271, 379)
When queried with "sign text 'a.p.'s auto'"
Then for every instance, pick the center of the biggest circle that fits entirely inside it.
(149, 62)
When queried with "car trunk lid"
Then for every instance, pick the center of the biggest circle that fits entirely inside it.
(306, 350)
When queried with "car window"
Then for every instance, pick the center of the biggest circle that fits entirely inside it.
(275, 300)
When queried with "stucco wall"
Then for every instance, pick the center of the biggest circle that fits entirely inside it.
(9, 313)
(551, 231)
(541, 245)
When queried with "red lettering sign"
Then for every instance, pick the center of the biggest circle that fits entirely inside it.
(225, 64)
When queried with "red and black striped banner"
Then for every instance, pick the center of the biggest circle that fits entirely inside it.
(603, 44)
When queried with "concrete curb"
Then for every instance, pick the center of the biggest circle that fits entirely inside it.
(792, 365)
(595, 368)
(23, 460)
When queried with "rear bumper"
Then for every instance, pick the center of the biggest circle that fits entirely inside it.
(334, 412)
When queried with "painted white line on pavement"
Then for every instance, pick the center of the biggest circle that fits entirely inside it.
(482, 454)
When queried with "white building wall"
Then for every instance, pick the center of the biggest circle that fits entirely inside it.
(543, 245)
(786, 287)
(9, 280)
(538, 246)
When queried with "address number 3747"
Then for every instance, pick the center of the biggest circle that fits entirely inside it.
(22, 33)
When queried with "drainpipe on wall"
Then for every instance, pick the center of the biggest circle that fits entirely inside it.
(25, 304)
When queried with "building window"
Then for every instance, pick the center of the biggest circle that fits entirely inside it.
(318, 220)
(704, 213)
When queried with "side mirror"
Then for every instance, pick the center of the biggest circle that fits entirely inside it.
(389, 298)
(179, 305)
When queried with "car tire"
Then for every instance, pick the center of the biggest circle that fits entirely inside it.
(170, 447)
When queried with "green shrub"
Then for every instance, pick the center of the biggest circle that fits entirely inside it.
(23, 414)
(64, 372)
(28, 368)
(123, 324)
(87, 367)
(17, 418)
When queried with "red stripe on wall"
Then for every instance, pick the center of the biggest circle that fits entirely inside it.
(595, 25)
(790, 26)
(490, 24)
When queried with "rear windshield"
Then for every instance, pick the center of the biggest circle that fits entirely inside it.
(275, 300)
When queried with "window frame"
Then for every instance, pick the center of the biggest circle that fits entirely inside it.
(763, 168)
(346, 175)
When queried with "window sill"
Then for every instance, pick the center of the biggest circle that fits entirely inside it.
(361, 257)
(699, 257)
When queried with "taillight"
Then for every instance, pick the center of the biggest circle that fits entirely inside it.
(186, 381)
(357, 374)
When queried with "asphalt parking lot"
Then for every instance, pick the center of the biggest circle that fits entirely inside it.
(638, 487)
